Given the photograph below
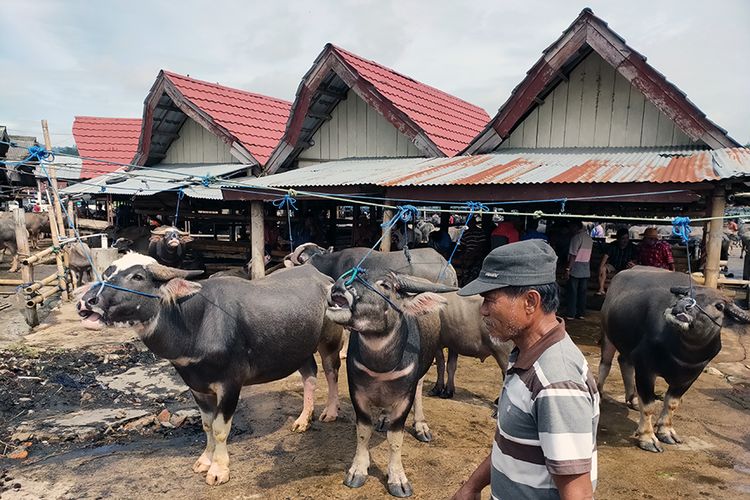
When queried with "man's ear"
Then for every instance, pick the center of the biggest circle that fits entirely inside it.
(424, 303)
(177, 288)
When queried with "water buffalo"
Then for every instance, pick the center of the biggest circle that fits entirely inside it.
(78, 262)
(131, 238)
(660, 330)
(36, 224)
(8, 240)
(169, 246)
(224, 334)
(393, 339)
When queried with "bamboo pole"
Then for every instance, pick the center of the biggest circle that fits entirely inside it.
(38, 299)
(61, 282)
(257, 254)
(27, 271)
(38, 256)
(49, 280)
(7, 282)
(385, 244)
(73, 219)
(713, 245)
(53, 178)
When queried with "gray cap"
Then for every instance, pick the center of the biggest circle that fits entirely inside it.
(526, 263)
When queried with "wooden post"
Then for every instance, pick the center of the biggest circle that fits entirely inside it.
(73, 218)
(713, 246)
(27, 270)
(61, 281)
(356, 212)
(257, 242)
(52, 170)
(385, 244)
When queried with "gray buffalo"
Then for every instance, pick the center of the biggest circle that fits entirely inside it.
(8, 240)
(394, 332)
(650, 317)
(36, 224)
(169, 246)
(131, 238)
(78, 262)
(224, 334)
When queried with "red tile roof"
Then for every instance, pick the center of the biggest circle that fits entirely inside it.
(450, 122)
(111, 139)
(255, 120)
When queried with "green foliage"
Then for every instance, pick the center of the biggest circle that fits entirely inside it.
(68, 150)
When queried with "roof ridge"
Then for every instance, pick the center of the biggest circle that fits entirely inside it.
(172, 74)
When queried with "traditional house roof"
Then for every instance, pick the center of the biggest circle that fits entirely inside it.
(588, 33)
(109, 139)
(250, 124)
(438, 123)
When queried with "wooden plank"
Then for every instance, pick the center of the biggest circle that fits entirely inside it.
(620, 102)
(590, 96)
(530, 128)
(352, 129)
(650, 124)
(604, 100)
(361, 124)
(333, 128)
(516, 138)
(559, 107)
(325, 142)
(679, 138)
(544, 126)
(27, 271)
(372, 132)
(635, 118)
(573, 110)
(665, 129)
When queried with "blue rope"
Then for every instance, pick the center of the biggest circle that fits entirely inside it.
(288, 203)
(356, 274)
(473, 207)
(121, 288)
(681, 229)
(180, 196)
(562, 205)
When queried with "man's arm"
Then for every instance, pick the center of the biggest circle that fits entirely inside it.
(574, 486)
(478, 480)
(603, 262)
(670, 257)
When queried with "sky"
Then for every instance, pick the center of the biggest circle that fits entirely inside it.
(62, 58)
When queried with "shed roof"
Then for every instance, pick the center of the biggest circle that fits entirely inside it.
(524, 166)
(586, 33)
(251, 124)
(438, 123)
(104, 138)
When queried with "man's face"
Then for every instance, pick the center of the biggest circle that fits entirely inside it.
(503, 314)
(650, 240)
(623, 240)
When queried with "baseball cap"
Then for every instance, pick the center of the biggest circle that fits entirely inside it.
(525, 263)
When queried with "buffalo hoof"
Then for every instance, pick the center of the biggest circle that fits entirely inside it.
(354, 480)
(668, 436)
(447, 394)
(329, 415)
(436, 391)
(202, 465)
(301, 424)
(651, 446)
(401, 490)
(217, 475)
(382, 424)
(423, 432)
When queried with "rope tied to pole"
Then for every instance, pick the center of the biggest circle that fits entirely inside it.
(288, 203)
(407, 213)
(681, 229)
(180, 196)
(473, 207)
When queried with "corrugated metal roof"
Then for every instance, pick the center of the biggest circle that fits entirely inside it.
(110, 139)
(147, 182)
(525, 166)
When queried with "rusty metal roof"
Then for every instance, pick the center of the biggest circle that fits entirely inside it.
(525, 166)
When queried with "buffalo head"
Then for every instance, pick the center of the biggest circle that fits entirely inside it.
(702, 313)
(303, 253)
(140, 287)
(171, 236)
(374, 306)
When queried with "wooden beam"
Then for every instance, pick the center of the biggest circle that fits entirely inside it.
(331, 93)
(385, 244)
(27, 270)
(258, 266)
(321, 116)
(713, 246)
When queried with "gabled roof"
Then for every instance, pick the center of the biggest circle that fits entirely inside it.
(438, 123)
(251, 124)
(589, 32)
(110, 139)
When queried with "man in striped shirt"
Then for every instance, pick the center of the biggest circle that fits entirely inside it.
(545, 442)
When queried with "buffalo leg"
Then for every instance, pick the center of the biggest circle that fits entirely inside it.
(398, 484)
(450, 388)
(420, 423)
(437, 390)
(357, 474)
(207, 405)
(605, 361)
(664, 428)
(226, 400)
(628, 379)
(329, 355)
(644, 381)
(308, 371)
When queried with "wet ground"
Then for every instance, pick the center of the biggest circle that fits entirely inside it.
(84, 412)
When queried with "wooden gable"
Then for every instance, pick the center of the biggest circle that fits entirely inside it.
(196, 144)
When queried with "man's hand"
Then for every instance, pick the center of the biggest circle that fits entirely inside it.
(466, 493)
(566, 274)
(478, 480)
(574, 487)
(631, 264)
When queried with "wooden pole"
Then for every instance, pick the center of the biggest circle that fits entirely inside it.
(385, 244)
(27, 271)
(258, 266)
(110, 212)
(52, 170)
(356, 212)
(72, 215)
(713, 246)
(62, 284)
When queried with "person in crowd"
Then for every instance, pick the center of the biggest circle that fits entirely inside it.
(535, 234)
(619, 255)
(578, 270)
(654, 252)
(505, 232)
(598, 231)
(473, 249)
(548, 411)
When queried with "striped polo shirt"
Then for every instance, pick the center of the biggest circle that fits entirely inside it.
(547, 418)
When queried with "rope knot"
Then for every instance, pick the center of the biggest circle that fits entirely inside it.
(38, 153)
(287, 201)
(206, 180)
(681, 228)
(475, 206)
(352, 274)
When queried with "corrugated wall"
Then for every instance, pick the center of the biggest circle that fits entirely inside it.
(597, 107)
(197, 145)
(356, 130)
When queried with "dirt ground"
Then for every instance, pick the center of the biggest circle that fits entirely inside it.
(83, 405)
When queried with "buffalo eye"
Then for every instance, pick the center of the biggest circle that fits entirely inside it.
(720, 306)
(138, 277)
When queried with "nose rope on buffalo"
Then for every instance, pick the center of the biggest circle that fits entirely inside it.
(473, 206)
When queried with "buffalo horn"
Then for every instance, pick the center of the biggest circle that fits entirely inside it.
(164, 273)
(161, 231)
(680, 290)
(738, 313)
(410, 284)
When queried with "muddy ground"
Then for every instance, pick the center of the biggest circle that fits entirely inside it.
(86, 410)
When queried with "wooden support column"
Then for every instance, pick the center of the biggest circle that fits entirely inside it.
(109, 211)
(27, 270)
(356, 212)
(258, 266)
(52, 170)
(62, 283)
(713, 246)
(385, 245)
(73, 218)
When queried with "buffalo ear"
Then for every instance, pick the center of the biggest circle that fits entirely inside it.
(186, 239)
(680, 290)
(423, 303)
(164, 273)
(178, 288)
(156, 238)
(330, 249)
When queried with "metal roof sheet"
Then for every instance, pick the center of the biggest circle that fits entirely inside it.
(524, 166)
(110, 139)
(148, 181)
